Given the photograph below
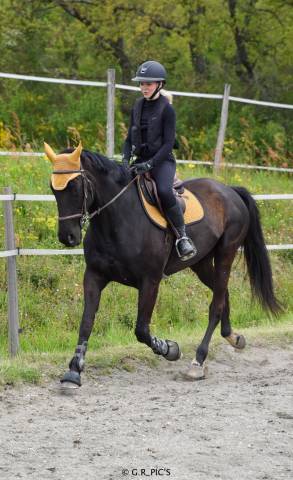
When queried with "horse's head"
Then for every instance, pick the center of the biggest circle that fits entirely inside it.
(67, 184)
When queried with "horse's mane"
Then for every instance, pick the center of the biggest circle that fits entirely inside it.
(102, 164)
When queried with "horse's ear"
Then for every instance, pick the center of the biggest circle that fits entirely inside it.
(50, 152)
(75, 155)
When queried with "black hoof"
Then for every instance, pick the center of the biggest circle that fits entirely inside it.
(174, 352)
(71, 377)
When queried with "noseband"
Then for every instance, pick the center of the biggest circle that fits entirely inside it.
(85, 215)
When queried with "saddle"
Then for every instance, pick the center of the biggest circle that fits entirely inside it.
(149, 189)
(190, 205)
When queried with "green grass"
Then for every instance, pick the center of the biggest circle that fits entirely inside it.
(39, 367)
(50, 288)
(19, 370)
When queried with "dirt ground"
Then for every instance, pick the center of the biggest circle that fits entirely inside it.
(151, 423)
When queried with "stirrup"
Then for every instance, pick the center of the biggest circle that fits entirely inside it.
(186, 257)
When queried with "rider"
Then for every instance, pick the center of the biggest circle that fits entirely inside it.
(151, 138)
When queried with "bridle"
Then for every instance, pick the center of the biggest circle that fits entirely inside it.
(84, 215)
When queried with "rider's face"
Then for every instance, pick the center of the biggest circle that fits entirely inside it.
(148, 88)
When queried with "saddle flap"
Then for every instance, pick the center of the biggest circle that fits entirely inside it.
(193, 210)
(148, 187)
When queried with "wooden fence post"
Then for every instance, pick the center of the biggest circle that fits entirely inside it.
(221, 135)
(13, 324)
(110, 112)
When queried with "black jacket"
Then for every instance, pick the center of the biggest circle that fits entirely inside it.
(151, 134)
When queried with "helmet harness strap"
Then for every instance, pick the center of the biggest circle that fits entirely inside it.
(159, 87)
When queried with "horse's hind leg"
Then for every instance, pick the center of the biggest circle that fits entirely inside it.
(235, 339)
(205, 272)
(146, 301)
(93, 286)
(216, 278)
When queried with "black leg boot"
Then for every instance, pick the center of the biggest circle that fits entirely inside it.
(184, 245)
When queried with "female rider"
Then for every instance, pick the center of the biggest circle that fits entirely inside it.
(151, 138)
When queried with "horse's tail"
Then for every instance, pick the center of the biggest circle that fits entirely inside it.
(257, 258)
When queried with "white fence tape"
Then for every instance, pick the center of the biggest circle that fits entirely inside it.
(79, 251)
(38, 251)
(237, 165)
(274, 196)
(9, 253)
(260, 102)
(289, 246)
(50, 198)
(193, 162)
(21, 154)
(132, 88)
(33, 78)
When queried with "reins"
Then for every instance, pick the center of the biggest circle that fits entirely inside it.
(85, 215)
(99, 210)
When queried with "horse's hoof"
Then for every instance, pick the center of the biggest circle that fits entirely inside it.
(71, 379)
(240, 342)
(174, 352)
(236, 340)
(196, 371)
(68, 387)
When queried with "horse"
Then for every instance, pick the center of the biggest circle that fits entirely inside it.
(122, 245)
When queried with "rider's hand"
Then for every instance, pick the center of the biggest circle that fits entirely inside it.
(141, 168)
(125, 161)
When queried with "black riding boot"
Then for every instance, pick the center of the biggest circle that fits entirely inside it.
(184, 245)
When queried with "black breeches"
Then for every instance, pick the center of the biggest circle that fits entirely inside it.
(164, 174)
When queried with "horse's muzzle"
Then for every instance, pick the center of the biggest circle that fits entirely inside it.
(70, 239)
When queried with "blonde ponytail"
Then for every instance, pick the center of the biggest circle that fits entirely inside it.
(167, 94)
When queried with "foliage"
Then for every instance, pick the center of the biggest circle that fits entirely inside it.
(203, 44)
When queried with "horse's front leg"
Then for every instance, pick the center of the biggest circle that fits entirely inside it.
(146, 301)
(93, 284)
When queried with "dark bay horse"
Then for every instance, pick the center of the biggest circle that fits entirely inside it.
(122, 245)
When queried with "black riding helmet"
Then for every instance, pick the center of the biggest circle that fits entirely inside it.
(150, 71)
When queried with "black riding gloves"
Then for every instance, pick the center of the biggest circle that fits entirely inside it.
(125, 160)
(141, 168)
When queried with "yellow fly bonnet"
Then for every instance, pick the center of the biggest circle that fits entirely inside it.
(63, 162)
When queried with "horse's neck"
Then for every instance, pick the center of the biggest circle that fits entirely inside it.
(115, 207)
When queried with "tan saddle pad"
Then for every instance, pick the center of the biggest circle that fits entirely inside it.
(193, 209)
